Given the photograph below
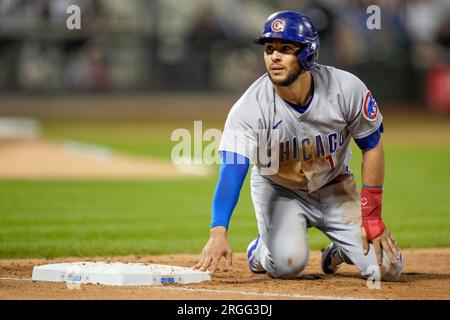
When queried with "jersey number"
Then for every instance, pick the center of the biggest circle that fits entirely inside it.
(330, 161)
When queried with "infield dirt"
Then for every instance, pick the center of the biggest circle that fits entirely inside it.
(426, 276)
(36, 159)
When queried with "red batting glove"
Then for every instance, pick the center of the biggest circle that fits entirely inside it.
(371, 212)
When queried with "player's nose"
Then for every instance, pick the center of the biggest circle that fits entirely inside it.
(276, 56)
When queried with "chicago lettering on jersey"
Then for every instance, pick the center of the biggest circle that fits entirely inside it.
(311, 148)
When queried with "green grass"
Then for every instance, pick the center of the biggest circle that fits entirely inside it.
(80, 218)
(415, 196)
(92, 218)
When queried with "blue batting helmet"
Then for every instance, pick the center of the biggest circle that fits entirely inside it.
(296, 27)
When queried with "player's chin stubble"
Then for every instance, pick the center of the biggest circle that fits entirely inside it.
(290, 78)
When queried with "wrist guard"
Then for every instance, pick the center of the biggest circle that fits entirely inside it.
(371, 212)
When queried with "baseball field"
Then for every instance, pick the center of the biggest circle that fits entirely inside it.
(127, 202)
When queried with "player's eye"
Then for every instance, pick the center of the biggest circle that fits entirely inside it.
(283, 49)
(288, 49)
(269, 49)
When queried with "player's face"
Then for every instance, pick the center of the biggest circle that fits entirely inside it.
(281, 62)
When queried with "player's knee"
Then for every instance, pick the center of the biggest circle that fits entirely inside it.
(391, 272)
(289, 266)
(387, 272)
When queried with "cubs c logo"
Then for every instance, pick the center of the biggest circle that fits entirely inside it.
(278, 25)
(370, 109)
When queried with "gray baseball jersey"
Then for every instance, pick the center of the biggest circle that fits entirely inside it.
(308, 151)
(312, 148)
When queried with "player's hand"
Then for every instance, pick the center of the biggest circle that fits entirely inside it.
(216, 248)
(385, 241)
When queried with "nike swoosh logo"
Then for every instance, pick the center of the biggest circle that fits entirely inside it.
(277, 124)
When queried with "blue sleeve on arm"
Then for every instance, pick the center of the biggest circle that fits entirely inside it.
(231, 177)
(371, 141)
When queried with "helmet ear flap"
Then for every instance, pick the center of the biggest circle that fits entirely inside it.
(307, 56)
(313, 57)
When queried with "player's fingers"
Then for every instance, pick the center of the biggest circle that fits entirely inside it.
(377, 248)
(365, 242)
(395, 242)
(206, 264)
(213, 265)
(387, 248)
(394, 245)
(229, 258)
(394, 248)
(200, 261)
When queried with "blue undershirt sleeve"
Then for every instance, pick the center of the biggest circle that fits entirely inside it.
(371, 141)
(231, 177)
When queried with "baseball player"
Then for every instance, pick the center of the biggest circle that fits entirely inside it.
(295, 124)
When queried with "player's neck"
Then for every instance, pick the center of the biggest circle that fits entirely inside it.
(299, 92)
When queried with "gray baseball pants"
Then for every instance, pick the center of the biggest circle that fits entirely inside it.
(284, 215)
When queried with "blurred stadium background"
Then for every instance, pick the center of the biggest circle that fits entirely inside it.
(139, 69)
(205, 46)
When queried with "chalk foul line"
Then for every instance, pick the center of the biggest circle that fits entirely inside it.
(247, 293)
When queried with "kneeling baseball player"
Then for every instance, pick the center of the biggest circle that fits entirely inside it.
(304, 115)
